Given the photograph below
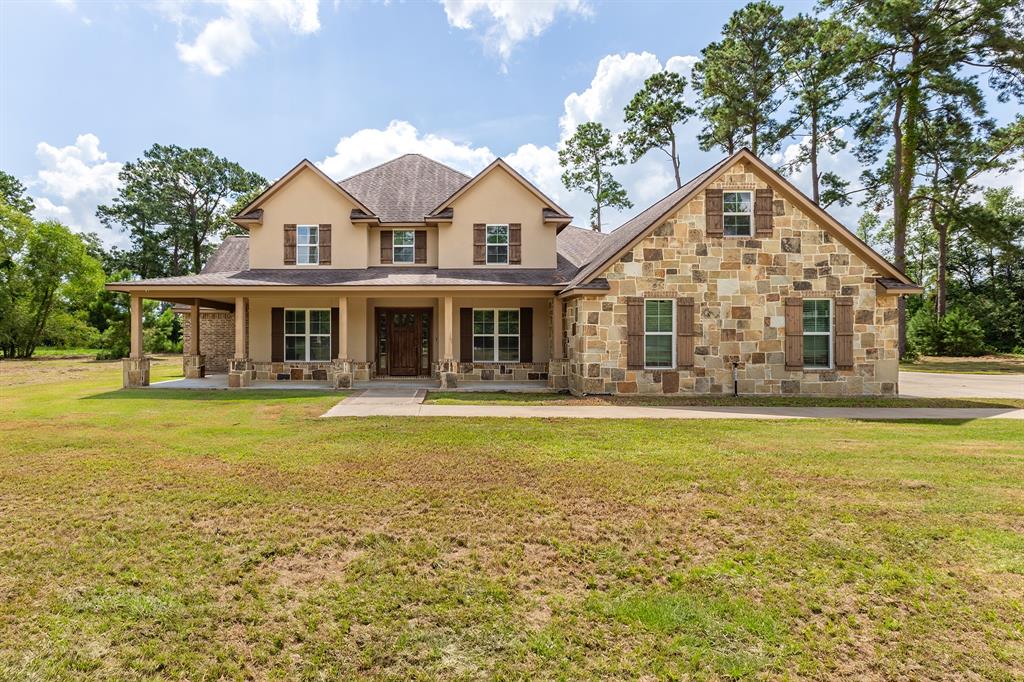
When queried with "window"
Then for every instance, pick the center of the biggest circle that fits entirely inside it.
(307, 249)
(403, 246)
(818, 334)
(307, 335)
(737, 213)
(659, 328)
(496, 335)
(497, 244)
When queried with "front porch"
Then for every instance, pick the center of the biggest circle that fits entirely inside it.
(453, 341)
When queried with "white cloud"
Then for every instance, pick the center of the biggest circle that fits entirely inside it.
(371, 146)
(506, 23)
(226, 41)
(72, 181)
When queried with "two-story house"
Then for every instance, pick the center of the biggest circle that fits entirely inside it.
(412, 269)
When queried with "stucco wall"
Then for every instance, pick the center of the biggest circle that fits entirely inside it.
(373, 257)
(739, 285)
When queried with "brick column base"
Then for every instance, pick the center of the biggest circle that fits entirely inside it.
(340, 374)
(240, 372)
(448, 373)
(135, 372)
(558, 374)
(193, 366)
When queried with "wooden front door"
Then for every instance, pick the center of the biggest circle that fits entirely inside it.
(408, 333)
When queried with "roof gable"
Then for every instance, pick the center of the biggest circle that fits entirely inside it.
(625, 237)
(497, 164)
(245, 217)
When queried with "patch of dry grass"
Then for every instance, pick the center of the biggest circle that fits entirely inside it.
(985, 364)
(223, 535)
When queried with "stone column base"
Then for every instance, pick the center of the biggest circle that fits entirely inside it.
(240, 372)
(193, 366)
(340, 374)
(135, 372)
(558, 374)
(448, 373)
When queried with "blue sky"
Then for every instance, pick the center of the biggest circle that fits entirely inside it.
(87, 86)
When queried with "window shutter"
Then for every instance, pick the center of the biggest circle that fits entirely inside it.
(526, 335)
(635, 332)
(794, 333)
(421, 246)
(465, 335)
(335, 329)
(844, 333)
(515, 243)
(385, 247)
(685, 333)
(479, 243)
(713, 213)
(277, 334)
(289, 245)
(764, 213)
(325, 244)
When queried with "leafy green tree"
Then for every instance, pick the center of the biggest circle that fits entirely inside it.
(741, 80)
(652, 116)
(819, 56)
(911, 52)
(587, 157)
(174, 202)
(48, 270)
(12, 192)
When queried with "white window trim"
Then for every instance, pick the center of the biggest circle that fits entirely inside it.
(831, 342)
(410, 247)
(749, 213)
(497, 335)
(307, 335)
(314, 230)
(671, 334)
(487, 244)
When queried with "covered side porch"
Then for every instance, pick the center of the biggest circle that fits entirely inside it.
(450, 339)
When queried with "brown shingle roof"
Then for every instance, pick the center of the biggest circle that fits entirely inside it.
(404, 189)
(577, 243)
(231, 256)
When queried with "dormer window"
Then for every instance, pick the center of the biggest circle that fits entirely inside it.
(403, 245)
(737, 214)
(307, 245)
(497, 244)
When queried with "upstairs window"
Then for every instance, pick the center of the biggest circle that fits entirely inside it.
(307, 244)
(307, 335)
(818, 333)
(497, 244)
(659, 333)
(737, 214)
(403, 246)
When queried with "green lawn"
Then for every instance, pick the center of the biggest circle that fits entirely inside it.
(985, 364)
(232, 535)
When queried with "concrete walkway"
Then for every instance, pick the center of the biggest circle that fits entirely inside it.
(939, 385)
(382, 406)
(383, 397)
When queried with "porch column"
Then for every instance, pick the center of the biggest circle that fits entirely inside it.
(449, 329)
(343, 328)
(240, 371)
(341, 372)
(556, 329)
(193, 364)
(135, 368)
(558, 367)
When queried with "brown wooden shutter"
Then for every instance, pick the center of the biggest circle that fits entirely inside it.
(764, 213)
(713, 213)
(844, 333)
(289, 245)
(479, 243)
(794, 333)
(325, 244)
(685, 333)
(277, 334)
(515, 243)
(526, 335)
(421, 246)
(465, 335)
(635, 332)
(335, 329)
(386, 247)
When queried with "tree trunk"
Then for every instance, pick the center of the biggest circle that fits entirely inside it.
(908, 103)
(942, 229)
(815, 193)
(675, 162)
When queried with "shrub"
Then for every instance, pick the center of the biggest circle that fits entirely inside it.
(961, 334)
(924, 333)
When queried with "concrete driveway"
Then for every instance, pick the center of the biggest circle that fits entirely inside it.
(936, 385)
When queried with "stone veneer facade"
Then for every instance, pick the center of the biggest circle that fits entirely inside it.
(739, 286)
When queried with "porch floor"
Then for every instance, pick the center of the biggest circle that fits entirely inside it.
(220, 381)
